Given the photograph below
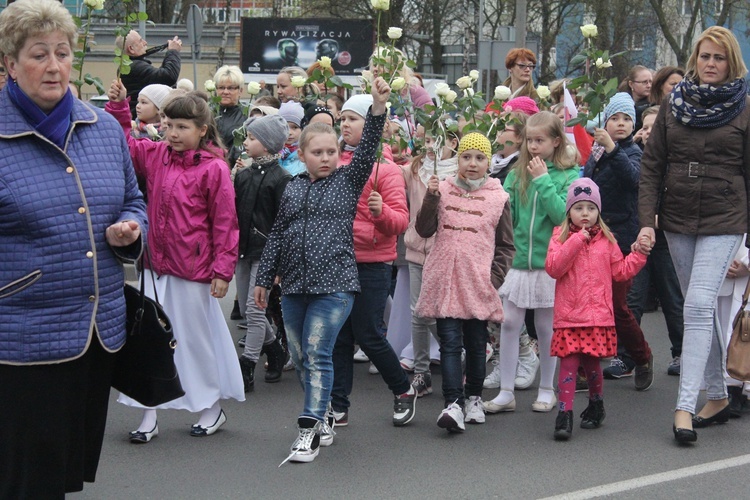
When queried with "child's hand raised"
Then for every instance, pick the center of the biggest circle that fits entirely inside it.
(117, 91)
(381, 91)
(375, 203)
(602, 138)
(537, 167)
(585, 233)
(433, 185)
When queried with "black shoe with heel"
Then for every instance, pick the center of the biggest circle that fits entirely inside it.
(720, 417)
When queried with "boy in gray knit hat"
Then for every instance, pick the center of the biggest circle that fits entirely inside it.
(258, 185)
(615, 166)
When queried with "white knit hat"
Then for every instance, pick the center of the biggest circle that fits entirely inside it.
(155, 93)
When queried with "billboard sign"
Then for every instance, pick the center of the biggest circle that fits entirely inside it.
(269, 44)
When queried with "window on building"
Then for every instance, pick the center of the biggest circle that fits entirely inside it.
(635, 41)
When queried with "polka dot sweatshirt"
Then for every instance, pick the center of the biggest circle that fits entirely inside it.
(311, 245)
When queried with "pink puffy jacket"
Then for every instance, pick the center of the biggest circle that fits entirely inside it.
(584, 271)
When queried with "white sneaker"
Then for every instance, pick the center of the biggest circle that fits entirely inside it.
(528, 365)
(373, 369)
(474, 410)
(488, 352)
(407, 364)
(492, 381)
(452, 419)
(360, 356)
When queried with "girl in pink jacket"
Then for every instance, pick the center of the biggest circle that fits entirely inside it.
(194, 252)
(583, 256)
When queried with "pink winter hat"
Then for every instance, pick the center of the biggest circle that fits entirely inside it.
(522, 104)
(583, 189)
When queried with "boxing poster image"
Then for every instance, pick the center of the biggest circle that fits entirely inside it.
(269, 44)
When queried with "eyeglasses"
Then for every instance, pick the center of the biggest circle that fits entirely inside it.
(580, 190)
(222, 89)
(3, 71)
(526, 66)
(643, 82)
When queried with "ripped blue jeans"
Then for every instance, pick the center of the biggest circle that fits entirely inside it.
(312, 324)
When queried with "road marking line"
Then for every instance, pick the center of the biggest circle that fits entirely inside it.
(662, 477)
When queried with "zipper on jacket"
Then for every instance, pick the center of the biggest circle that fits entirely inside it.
(304, 240)
(255, 230)
(531, 229)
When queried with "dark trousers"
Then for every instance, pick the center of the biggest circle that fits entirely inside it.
(364, 327)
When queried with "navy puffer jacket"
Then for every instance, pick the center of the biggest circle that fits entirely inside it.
(617, 174)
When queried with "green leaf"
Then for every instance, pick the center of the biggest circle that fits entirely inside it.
(411, 64)
(336, 80)
(577, 60)
(478, 103)
(132, 17)
(142, 16)
(577, 82)
(595, 107)
(611, 87)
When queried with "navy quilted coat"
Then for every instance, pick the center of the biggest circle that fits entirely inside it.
(59, 279)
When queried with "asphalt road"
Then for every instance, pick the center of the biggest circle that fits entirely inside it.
(633, 455)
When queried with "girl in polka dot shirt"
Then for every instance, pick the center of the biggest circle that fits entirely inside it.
(584, 258)
(311, 250)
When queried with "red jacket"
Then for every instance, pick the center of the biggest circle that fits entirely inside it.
(584, 271)
(193, 233)
(375, 238)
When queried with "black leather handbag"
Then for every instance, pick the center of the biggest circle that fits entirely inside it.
(144, 367)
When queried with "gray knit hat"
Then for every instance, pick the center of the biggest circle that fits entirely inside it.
(621, 102)
(272, 131)
(155, 93)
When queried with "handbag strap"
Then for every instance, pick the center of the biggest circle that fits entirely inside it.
(745, 297)
(147, 256)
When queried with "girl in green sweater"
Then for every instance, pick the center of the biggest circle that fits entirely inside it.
(538, 187)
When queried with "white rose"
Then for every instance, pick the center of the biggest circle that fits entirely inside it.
(394, 33)
(464, 82)
(94, 4)
(502, 92)
(367, 76)
(589, 30)
(398, 83)
(298, 81)
(469, 92)
(543, 91)
(442, 89)
(209, 85)
(474, 75)
(600, 63)
(380, 4)
(253, 88)
(450, 97)
(325, 62)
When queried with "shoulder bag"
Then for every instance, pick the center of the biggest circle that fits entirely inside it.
(738, 352)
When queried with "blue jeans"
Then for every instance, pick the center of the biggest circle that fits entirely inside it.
(471, 334)
(312, 323)
(660, 271)
(364, 327)
(701, 263)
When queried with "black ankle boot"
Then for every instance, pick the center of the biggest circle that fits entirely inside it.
(736, 401)
(276, 359)
(247, 367)
(593, 416)
(236, 314)
(564, 425)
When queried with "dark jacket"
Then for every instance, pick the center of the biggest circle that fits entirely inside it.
(228, 121)
(142, 73)
(311, 244)
(714, 200)
(258, 189)
(617, 174)
(60, 281)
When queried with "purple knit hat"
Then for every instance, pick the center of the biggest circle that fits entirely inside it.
(583, 189)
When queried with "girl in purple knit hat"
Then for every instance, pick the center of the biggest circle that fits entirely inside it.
(584, 255)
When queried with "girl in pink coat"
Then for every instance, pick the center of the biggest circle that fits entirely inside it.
(583, 255)
(194, 252)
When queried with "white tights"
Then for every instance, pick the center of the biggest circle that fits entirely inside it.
(509, 336)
